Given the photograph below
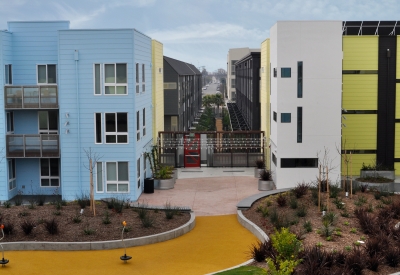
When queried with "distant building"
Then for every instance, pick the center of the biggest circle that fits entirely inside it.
(233, 56)
(182, 94)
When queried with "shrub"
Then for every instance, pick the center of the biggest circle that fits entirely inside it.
(293, 202)
(261, 250)
(330, 217)
(260, 164)
(8, 228)
(300, 190)
(285, 267)
(27, 226)
(367, 221)
(263, 210)
(106, 218)
(89, 231)
(386, 201)
(116, 205)
(83, 200)
(57, 213)
(363, 187)
(18, 199)
(392, 256)
(51, 226)
(41, 199)
(344, 213)
(286, 244)
(302, 211)
(281, 200)
(326, 229)
(307, 226)
(278, 221)
(147, 221)
(58, 204)
(373, 262)
(314, 261)
(265, 175)
(339, 203)
(170, 211)
(77, 218)
(334, 190)
(355, 261)
(7, 204)
(23, 214)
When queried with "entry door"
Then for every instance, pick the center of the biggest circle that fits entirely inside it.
(192, 150)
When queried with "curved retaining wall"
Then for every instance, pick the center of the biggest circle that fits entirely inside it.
(165, 236)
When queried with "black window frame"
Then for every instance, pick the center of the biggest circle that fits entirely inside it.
(286, 117)
(299, 162)
(299, 79)
(286, 72)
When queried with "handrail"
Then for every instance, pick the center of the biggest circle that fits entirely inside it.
(31, 96)
(32, 146)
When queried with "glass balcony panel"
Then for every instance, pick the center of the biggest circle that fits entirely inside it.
(33, 146)
(48, 97)
(13, 97)
(31, 97)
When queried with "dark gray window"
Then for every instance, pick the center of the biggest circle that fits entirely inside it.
(286, 72)
(49, 173)
(97, 80)
(8, 74)
(98, 128)
(286, 117)
(47, 74)
(299, 79)
(137, 125)
(274, 158)
(299, 124)
(274, 115)
(275, 72)
(116, 129)
(299, 163)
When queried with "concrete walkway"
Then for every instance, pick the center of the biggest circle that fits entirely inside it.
(207, 191)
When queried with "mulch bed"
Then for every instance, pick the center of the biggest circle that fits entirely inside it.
(70, 231)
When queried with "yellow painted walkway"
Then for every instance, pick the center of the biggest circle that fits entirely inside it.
(216, 242)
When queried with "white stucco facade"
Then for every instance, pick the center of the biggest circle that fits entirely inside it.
(318, 45)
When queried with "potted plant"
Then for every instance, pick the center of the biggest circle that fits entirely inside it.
(377, 170)
(163, 178)
(265, 182)
(260, 165)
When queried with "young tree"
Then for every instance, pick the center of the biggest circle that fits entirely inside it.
(93, 158)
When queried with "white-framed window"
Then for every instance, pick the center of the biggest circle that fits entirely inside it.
(8, 74)
(144, 121)
(98, 132)
(48, 122)
(12, 182)
(10, 122)
(137, 125)
(116, 127)
(144, 166)
(47, 74)
(143, 78)
(49, 173)
(117, 178)
(138, 172)
(97, 77)
(115, 79)
(137, 77)
(99, 177)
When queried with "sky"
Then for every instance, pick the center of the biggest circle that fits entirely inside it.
(199, 32)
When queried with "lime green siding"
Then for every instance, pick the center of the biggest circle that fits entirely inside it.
(360, 91)
(360, 52)
(264, 94)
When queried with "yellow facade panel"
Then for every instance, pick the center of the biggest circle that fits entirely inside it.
(357, 160)
(360, 131)
(398, 58)
(397, 141)
(360, 52)
(397, 168)
(265, 92)
(360, 91)
(398, 100)
(158, 88)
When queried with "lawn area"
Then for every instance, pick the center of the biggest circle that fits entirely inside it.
(244, 270)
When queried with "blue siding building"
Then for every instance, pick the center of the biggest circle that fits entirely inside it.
(69, 91)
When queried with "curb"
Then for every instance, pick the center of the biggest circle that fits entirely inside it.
(253, 228)
(104, 245)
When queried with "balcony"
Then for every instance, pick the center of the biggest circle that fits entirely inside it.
(33, 146)
(31, 97)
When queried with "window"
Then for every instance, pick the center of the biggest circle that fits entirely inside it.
(97, 126)
(49, 173)
(144, 121)
(138, 172)
(144, 166)
(12, 183)
(143, 78)
(233, 62)
(115, 79)
(97, 79)
(99, 177)
(8, 74)
(233, 84)
(116, 127)
(299, 124)
(274, 158)
(137, 126)
(300, 79)
(10, 122)
(137, 78)
(170, 86)
(275, 72)
(117, 177)
(286, 72)
(274, 115)
(48, 122)
(299, 163)
(286, 117)
(46, 74)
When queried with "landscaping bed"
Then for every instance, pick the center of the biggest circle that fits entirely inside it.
(62, 222)
(351, 225)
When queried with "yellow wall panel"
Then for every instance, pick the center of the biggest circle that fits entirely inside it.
(398, 58)
(398, 99)
(397, 141)
(264, 93)
(360, 131)
(360, 52)
(158, 88)
(397, 168)
(360, 91)
(356, 163)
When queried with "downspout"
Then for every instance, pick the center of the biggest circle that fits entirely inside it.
(76, 57)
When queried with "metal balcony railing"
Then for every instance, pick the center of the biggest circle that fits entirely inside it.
(31, 97)
(33, 146)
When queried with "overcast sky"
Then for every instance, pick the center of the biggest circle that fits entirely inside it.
(196, 31)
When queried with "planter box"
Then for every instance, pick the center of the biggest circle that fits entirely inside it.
(164, 184)
(369, 173)
(265, 185)
(257, 172)
(387, 186)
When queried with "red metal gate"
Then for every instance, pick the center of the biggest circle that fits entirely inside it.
(192, 150)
